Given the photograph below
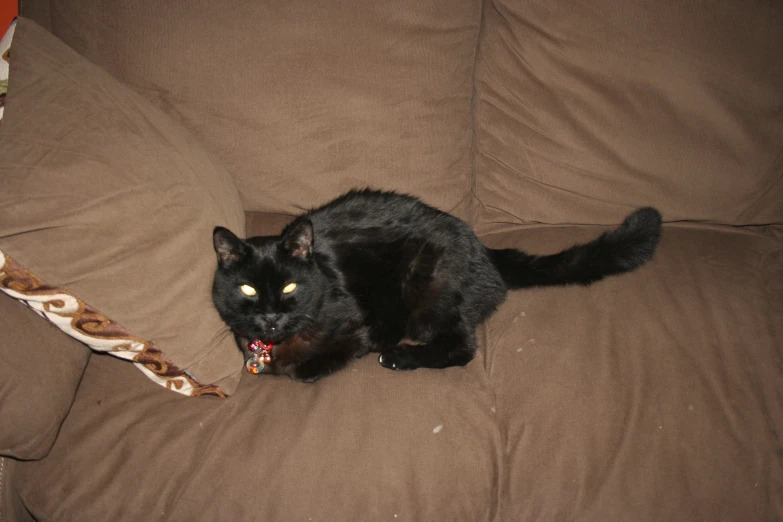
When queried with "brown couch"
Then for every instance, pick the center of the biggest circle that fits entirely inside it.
(657, 395)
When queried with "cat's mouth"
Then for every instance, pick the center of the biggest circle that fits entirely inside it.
(265, 337)
(268, 333)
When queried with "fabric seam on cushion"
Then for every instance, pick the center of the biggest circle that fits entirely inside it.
(473, 177)
(495, 508)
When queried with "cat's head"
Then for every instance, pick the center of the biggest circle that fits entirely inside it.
(267, 288)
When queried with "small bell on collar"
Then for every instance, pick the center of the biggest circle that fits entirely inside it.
(254, 364)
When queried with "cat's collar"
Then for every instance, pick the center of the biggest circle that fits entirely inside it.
(261, 355)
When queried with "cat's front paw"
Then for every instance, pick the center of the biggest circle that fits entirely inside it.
(398, 358)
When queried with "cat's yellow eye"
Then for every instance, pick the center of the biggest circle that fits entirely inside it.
(290, 287)
(247, 290)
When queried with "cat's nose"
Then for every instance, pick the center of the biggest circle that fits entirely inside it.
(271, 320)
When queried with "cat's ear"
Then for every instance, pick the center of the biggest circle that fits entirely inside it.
(228, 247)
(298, 241)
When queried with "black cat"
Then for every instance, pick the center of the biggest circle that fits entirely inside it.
(379, 271)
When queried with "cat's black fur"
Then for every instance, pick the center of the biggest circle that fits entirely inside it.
(379, 271)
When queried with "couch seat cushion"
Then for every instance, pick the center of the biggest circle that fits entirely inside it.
(364, 444)
(657, 395)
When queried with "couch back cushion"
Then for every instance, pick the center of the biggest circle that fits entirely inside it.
(586, 108)
(301, 99)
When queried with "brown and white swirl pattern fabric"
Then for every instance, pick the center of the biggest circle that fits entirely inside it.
(79, 320)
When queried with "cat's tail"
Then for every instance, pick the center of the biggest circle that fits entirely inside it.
(615, 252)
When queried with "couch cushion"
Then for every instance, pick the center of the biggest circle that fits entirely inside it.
(40, 370)
(302, 99)
(106, 216)
(657, 395)
(585, 109)
(364, 444)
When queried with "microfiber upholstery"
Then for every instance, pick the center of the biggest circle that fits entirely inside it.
(656, 395)
(305, 99)
(586, 109)
(632, 399)
(40, 371)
